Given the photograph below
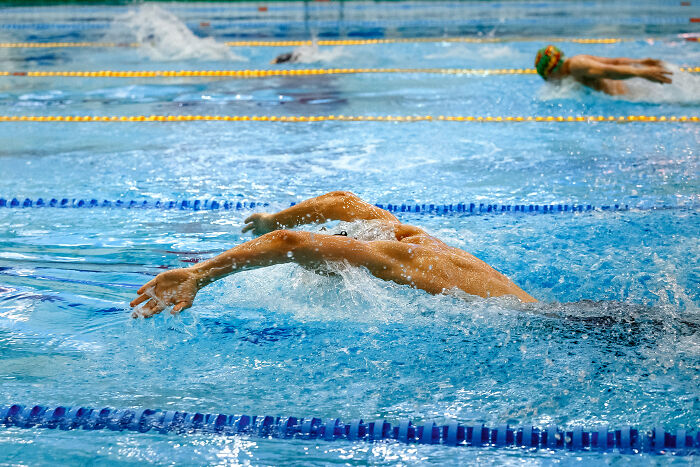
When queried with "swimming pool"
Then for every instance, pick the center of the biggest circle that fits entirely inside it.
(614, 340)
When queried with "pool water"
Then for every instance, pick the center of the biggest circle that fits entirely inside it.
(615, 338)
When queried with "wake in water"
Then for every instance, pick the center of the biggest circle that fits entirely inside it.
(312, 54)
(491, 52)
(163, 37)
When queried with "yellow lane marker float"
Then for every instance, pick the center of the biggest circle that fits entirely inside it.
(279, 72)
(44, 45)
(345, 118)
(265, 73)
(470, 40)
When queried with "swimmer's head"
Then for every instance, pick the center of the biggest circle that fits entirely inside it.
(289, 57)
(549, 61)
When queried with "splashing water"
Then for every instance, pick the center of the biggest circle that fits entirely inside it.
(685, 89)
(313, 54)
(365, 230)
(163, 37)
(566, 88)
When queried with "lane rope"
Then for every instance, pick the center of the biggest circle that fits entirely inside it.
(341, 42)
(287, 24)
(345, 118)
(468, 40)
(279, 72)
(42, 45)
(263, 73)
(416, 208)
(626, 440)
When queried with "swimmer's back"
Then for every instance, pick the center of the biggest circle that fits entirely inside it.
(424, 262)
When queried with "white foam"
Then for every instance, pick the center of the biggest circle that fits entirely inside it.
(365, 230)
(566, 88)
(685, 89)
(163, 37)
(314, 54)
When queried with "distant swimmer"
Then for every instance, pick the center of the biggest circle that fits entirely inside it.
(407, 255)
(288, 57)
(599, 73)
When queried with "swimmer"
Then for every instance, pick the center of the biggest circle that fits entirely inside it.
(289, 57)
(412, 257)
(599, 73)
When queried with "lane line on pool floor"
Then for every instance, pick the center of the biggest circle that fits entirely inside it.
(416, 208)
(262, 73)
(626, 440)
(356, 118)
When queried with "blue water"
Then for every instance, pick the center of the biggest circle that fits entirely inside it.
(614, 339)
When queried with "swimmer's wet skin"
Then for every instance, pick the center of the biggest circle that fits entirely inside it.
(599, 73)
(414, 258)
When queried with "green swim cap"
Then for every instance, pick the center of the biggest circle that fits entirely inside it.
(549, 60)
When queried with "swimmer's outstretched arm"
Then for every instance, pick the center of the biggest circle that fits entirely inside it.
(178, 287)
(333, 206)
(627, 61)
(589, 67)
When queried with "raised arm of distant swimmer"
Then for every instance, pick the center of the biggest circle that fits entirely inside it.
(585, 67)
(336, 205)
(626, 61)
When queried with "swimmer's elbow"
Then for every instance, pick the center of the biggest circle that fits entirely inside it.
(287, 240)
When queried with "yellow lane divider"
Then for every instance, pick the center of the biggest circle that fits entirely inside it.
(297, 43)
(344, 118)
(469, 40)
(280, 72)
(266, 73)
(43, 45)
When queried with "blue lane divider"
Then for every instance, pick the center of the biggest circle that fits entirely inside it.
(406, 22)
(433, 208)
(624, 440)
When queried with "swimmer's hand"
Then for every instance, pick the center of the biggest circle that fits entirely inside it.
(260, 223)
(656, 74)
(176, 288)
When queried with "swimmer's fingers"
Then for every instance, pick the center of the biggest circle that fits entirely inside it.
(139, 300)
(259, 223)
(149, 309)
(252, 222)
(252, 218)
(664, 76)
(180, 306)
(147, 285)
(658, 75)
